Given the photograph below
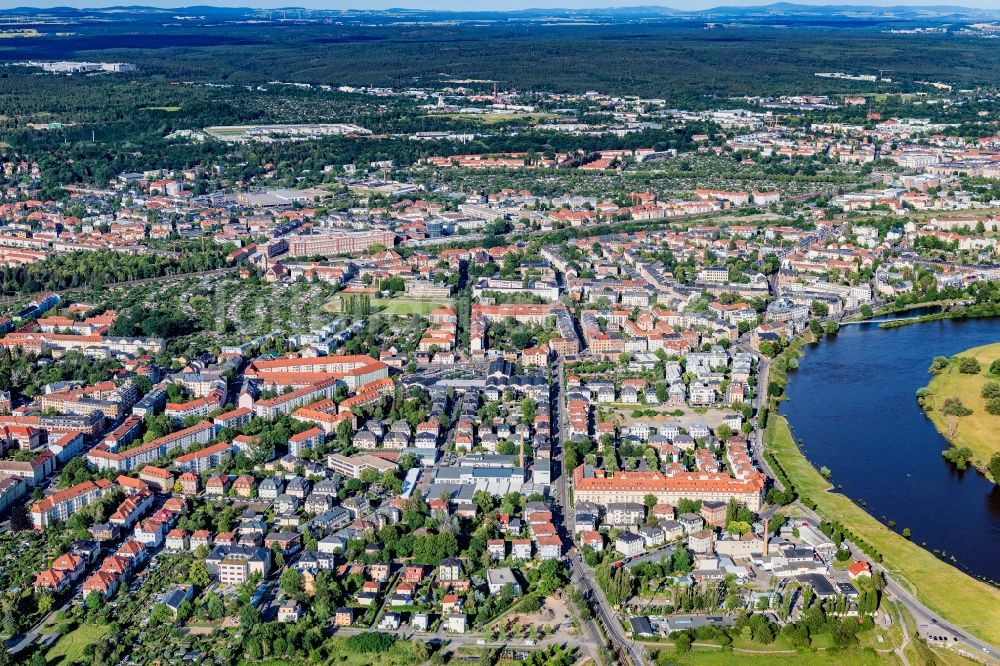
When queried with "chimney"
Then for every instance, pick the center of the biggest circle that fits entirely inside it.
(767, 534)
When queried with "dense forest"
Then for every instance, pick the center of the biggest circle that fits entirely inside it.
(682, 63)
(193, 77)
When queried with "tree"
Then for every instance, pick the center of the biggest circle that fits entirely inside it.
(990, 390)
(198, 574)
(215, 607)
(249, 617)
(483, 500)
(967, 365)
(649, 501)
(995, 368)
(94, 601)
(291, 582)
(619, 588)
(552, 576)
(681, 560)
(994, 468)
(528, 410)
(937, 365)
(45, 602)
(160, 615)
(960, 456)
(819, 308)
(954, 407)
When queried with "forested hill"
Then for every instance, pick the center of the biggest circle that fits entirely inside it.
(681, 60)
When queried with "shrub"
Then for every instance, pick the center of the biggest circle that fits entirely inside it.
(369, 642)
(968, 365)
(961, 457)
(954, 407)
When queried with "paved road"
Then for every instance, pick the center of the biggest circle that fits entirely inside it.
(930, 624)
(581, 576)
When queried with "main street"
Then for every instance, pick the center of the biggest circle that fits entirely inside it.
(581, 576)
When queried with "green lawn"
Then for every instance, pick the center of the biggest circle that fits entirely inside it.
(961, 599)
(980, 431)
(406, 306)
(857, 657)
(69, 648)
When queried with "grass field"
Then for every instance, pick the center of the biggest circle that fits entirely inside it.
(171, 109)
(980, 431)
(857, 657)
(394, 306)
(972, 605)
(69, 648)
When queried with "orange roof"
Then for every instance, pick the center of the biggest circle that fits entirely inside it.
(657, 481)
(157, 472)
(70, 493)
(203, 453)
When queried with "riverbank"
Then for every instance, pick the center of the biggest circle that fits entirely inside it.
(973, 311)
(959, 598)
(978, 431)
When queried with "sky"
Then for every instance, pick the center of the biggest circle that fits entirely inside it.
(478, 5)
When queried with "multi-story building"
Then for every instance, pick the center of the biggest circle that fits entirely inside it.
(102, 457)
(205, 459)
(604, 488)
(354, 466)
(339, 243)
(65, 503)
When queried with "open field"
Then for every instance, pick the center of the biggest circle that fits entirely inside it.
(857, 657)
(69, 648)
(980, 431)
(959, 598)
(171, 109)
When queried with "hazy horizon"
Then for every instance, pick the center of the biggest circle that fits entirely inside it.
(483, 5)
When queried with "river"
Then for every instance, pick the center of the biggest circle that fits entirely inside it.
(852, 403)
